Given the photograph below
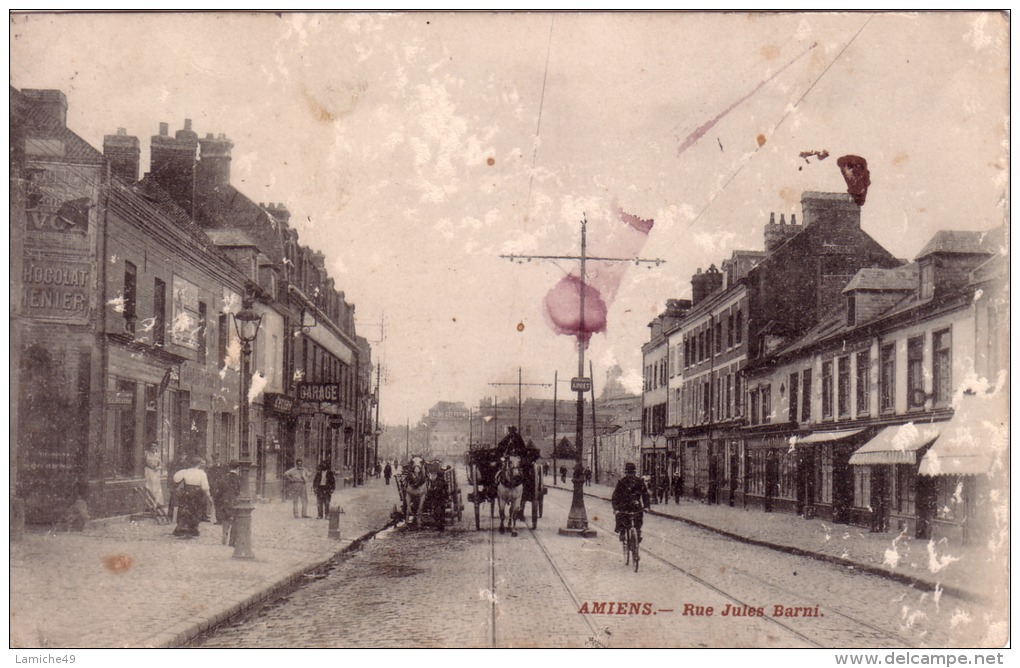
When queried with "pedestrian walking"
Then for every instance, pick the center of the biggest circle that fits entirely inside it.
(297, 487)
(192, 496)
(545, 470)
(153, 473)
(179, 463)
(324, 483)
(563, 474)
(388, 472)
(587, 477)
(378, 470)
(230, 491)
(677, 488)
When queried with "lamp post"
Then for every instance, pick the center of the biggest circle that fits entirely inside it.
(247, 323)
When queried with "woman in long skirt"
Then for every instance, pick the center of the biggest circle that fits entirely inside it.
(192, 494)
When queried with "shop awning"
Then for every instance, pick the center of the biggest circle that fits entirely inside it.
(827, 436)
(896, 445)
(972, 441)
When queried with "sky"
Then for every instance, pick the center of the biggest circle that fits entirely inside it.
(416, 149)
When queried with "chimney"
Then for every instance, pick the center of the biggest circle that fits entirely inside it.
(830, 208)
(704, 284)
(122, 152)
(172, 163)
(47, 107)
(777, 234)
(213, 162)
(278, 211)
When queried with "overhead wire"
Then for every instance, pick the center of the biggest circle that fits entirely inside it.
(781, 121)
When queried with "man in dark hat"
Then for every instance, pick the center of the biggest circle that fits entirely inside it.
(512, 443)
(630, 496)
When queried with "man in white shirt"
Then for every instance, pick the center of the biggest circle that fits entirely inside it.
(297, 487)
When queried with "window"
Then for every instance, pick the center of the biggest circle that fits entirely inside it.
(915, 373)
(825, 474)
(794, 396)
(942, 366)
(904, 494)
(827, 389)
(766, 404)
(159, 313)
(729, 331)
(738, 333)
(687, 352)
(128, 450)
(863, 382)
(701, 346)
(738, 405)
(927, 277)
(805, 406)
(729, 395)
(130, 297)
(223, 338)
(843, 387)
(202, 315)
(887, 378)
(753, 396)
(851, 310)
(706, 402)
(718, 337)
(862, 487)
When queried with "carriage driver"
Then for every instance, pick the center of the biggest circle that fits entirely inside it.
(630, 495)
(512, 443)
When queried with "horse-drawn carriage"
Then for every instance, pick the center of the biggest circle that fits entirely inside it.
(429, 492)
(509, 480)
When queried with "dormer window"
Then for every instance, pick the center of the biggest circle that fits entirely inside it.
(927, 278)
(851, 309)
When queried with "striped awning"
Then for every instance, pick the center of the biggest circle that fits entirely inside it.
(974, 439)
(896, 445)
(826, 436)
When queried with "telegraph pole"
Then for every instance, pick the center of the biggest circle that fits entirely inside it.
(520, 385)
(577, 520)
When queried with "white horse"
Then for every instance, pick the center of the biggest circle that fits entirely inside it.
(508, 491)
(416, 488)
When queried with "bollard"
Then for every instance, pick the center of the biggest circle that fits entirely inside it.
(334, 521)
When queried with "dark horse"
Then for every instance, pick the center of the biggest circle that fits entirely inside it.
(508, 491)
(416, 487)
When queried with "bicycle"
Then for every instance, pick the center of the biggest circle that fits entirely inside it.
(631, 550)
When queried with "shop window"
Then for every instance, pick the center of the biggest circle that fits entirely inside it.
(951, 499)
(128, 448)
(862, 487)
(904, 495)
(825, 474)
(942, 367)
(863, 382)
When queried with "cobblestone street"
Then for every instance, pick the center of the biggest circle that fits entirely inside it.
(428, 589)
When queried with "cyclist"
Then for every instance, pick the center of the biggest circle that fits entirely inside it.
(630, 496)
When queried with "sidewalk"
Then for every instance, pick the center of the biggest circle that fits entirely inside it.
(971, 571)
(133, 584)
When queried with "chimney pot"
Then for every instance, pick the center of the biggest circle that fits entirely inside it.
(187, 123)
(782, 219)
(164, 129)
(122, 132)
(772, 218)
(793, 219)
(209, 135)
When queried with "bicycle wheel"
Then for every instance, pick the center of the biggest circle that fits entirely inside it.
(626, 549)
(632, 542)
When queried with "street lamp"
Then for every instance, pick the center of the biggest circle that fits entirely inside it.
(247, 323)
